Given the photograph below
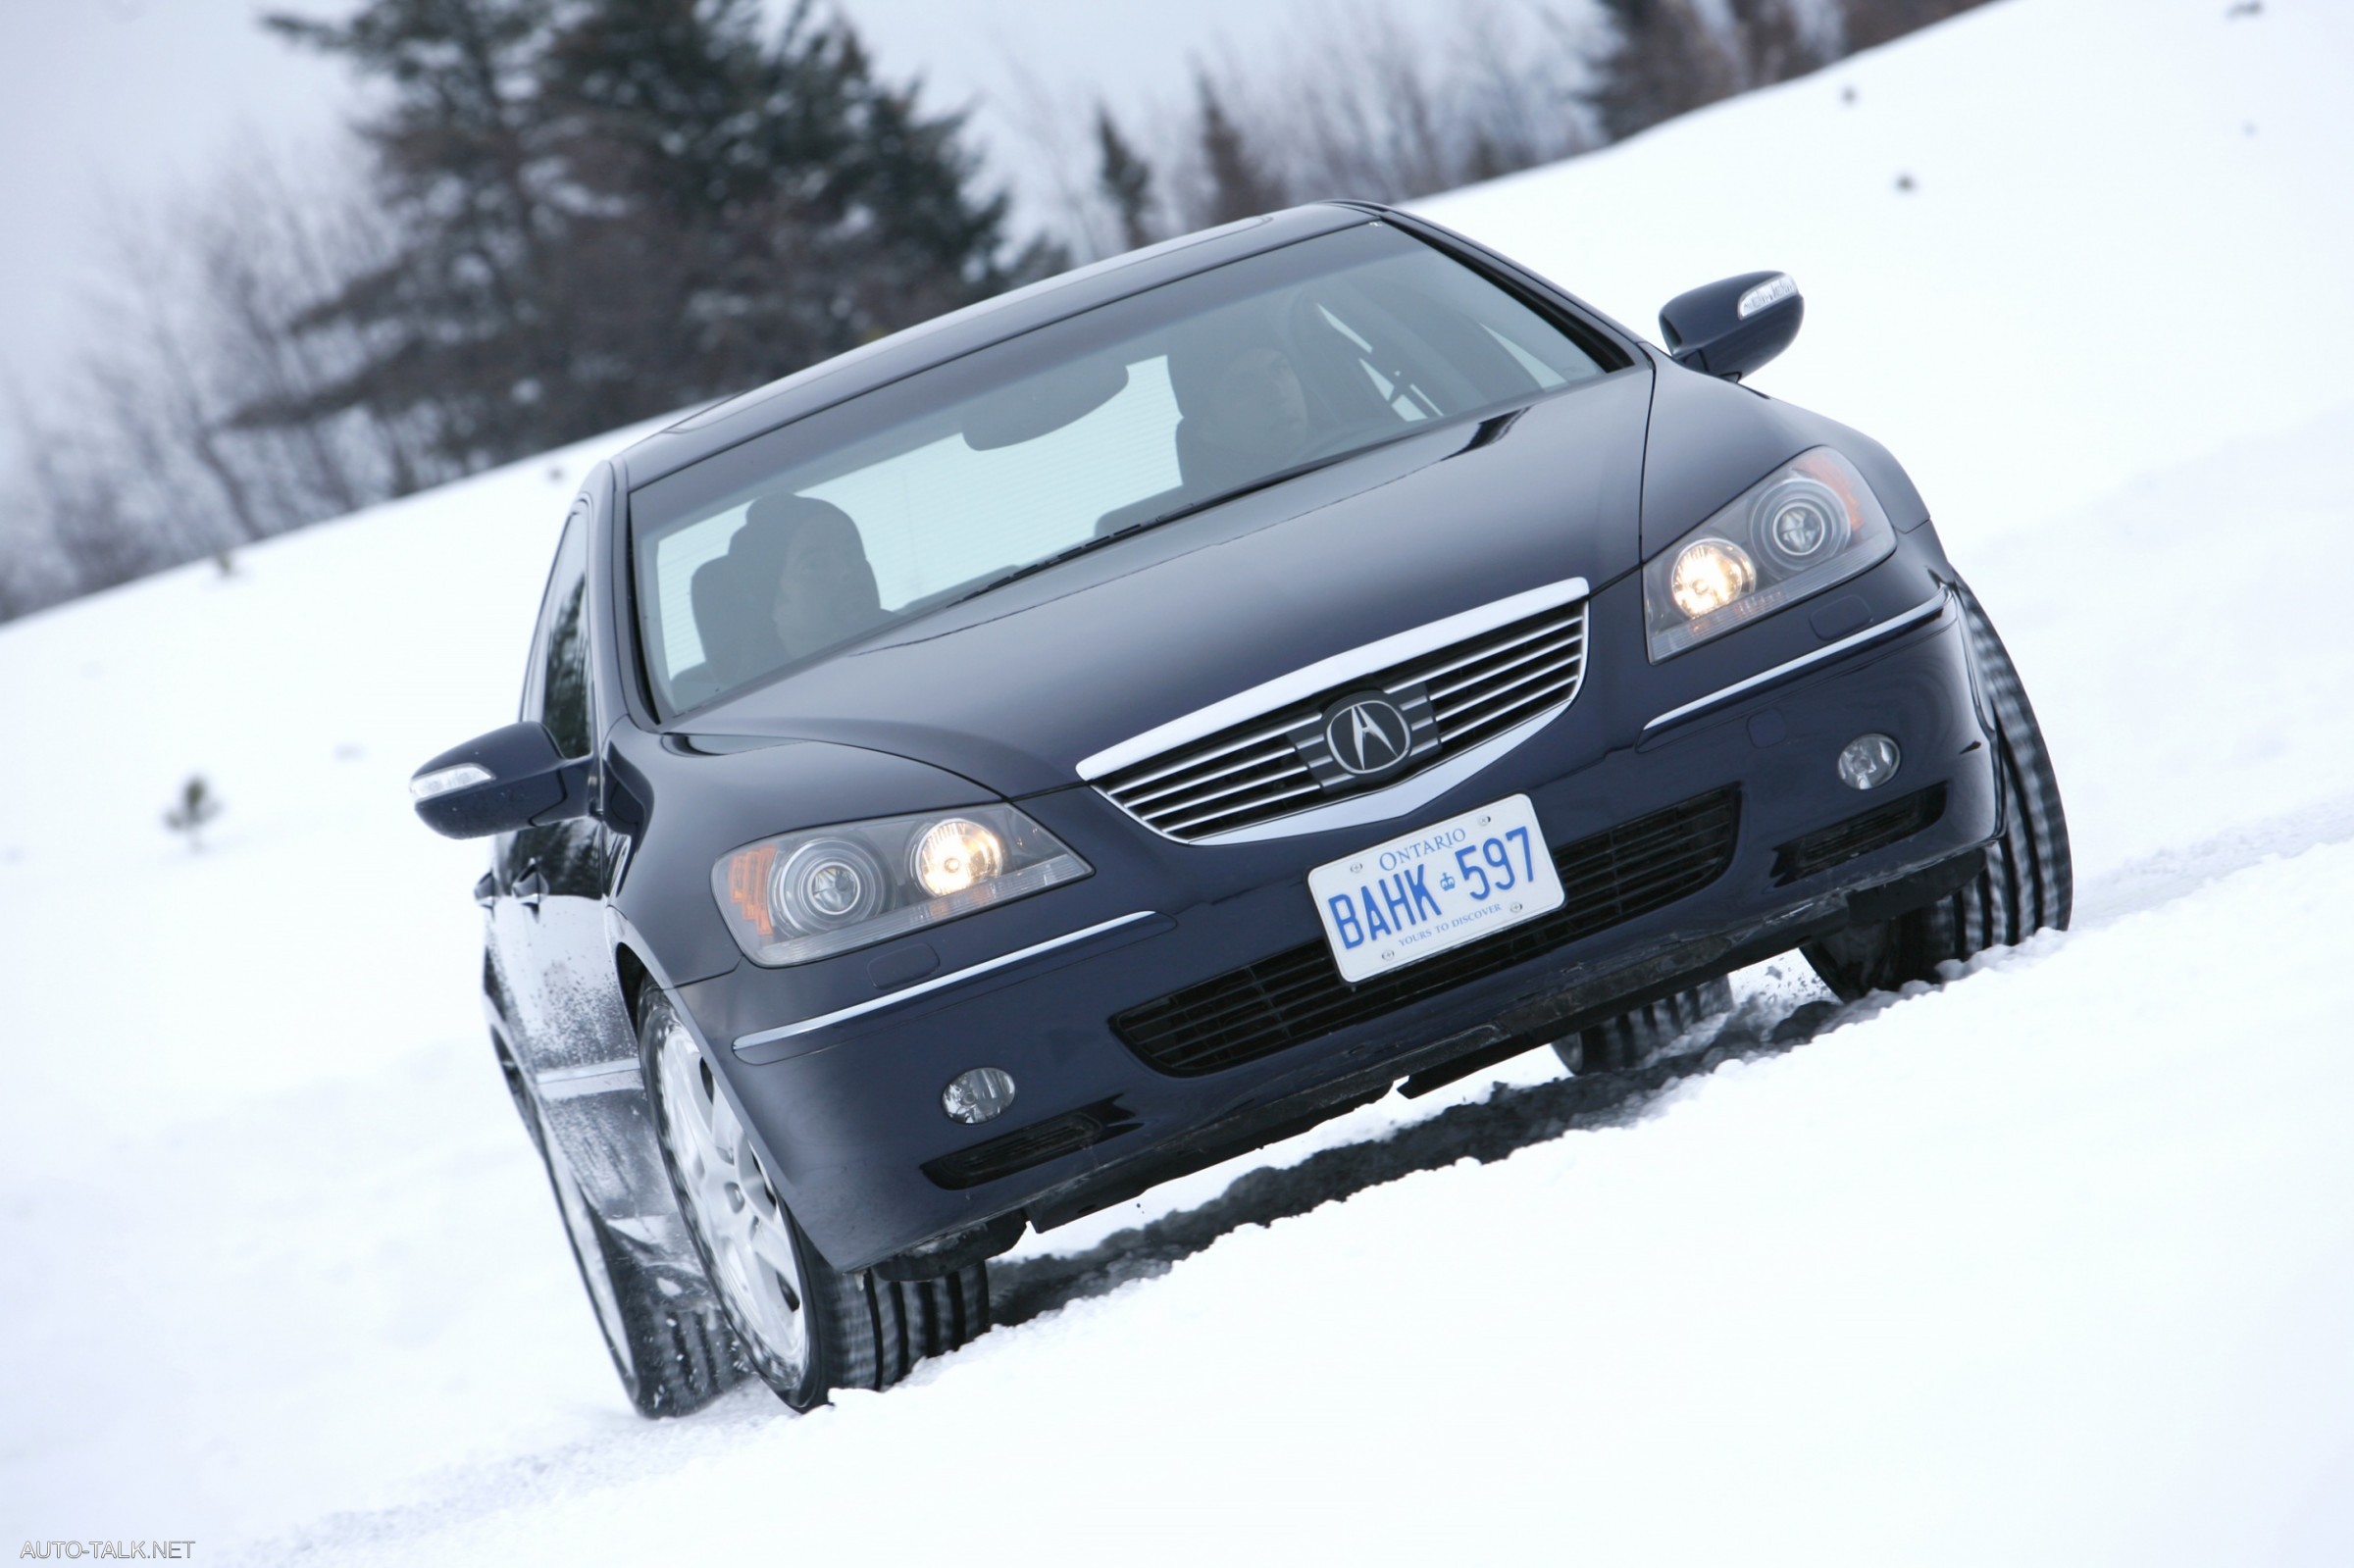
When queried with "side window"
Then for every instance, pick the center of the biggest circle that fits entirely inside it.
(556, 690)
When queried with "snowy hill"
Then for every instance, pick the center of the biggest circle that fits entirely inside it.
(2051, 1265)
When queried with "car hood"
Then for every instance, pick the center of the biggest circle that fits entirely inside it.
(1012, 688)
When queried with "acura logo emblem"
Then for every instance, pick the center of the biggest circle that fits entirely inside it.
(1367, 736)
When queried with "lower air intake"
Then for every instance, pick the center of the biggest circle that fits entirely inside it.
(1860, 835)
(1030, 1145)
(1296, 996)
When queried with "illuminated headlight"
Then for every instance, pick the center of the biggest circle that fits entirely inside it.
(1708, 575)
(956, 854)
(1810, 523)
(808, 895)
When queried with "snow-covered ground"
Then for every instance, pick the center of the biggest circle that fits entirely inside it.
(2053, 1265)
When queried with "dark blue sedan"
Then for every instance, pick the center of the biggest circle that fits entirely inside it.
(1107, 730)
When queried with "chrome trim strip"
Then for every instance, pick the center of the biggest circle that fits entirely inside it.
(937, 981)
(1275, 740)
(1171, 826)
(1516, 688)
(1374, 805)
(1133, 799)
(1570, 645)
(1217, 765)
(1913, 617)
(588, 1078)
(1308, 679)
(1552, 630)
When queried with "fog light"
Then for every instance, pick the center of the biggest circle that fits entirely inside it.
(1868, 762)
(978, 1094)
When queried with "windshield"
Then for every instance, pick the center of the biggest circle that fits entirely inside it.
(940, 485)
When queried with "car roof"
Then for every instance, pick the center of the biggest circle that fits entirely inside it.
(920, 347)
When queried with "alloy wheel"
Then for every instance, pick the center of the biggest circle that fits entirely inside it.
(733, 1207)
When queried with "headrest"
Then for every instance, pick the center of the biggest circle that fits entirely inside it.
(1201, 350)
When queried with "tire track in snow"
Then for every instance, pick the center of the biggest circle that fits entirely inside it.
(1510, 1119)
(1769, 1020)
(1515, 1117)
(2173, 874)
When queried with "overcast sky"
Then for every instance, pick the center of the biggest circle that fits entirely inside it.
(107, 106)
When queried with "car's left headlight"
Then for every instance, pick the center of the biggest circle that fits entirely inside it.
(1810, 523)
(806, 896)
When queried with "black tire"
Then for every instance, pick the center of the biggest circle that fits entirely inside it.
(848, 1330)
(1635, 1036)
(2027, 884)
(671, 1358)
(915, 1319)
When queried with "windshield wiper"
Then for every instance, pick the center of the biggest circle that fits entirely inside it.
(1061, 556)
(1043, 563)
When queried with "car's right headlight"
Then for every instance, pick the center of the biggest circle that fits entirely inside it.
(1810, 523)
(806, 896)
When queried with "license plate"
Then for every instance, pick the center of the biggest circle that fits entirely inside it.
(1417, 896)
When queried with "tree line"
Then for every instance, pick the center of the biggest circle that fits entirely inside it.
(565, 216)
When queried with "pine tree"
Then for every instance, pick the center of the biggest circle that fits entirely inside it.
(1125, 180)
(1771, 42)
(1661, 60)
(466, 319)
(1866, 22)
(618, 207)
(1238, 186)
(197, 806)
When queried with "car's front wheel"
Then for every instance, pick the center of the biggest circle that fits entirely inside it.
(806, 1327)
(2027, 883)
(672, 1356)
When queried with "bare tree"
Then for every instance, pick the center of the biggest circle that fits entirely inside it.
(269, 241)
(1057, 156)
(132, 459)
(152, 381)
(1391, 110)
(80, 526)
(1522, 100)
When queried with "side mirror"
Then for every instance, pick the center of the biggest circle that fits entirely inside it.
(1731, 328)
(508, 780)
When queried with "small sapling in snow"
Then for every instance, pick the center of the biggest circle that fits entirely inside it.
(197, 805)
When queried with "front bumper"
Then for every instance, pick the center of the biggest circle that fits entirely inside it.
(850, 1112)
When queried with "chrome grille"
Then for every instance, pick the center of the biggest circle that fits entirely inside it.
(1486, 685)
(1275, 763)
